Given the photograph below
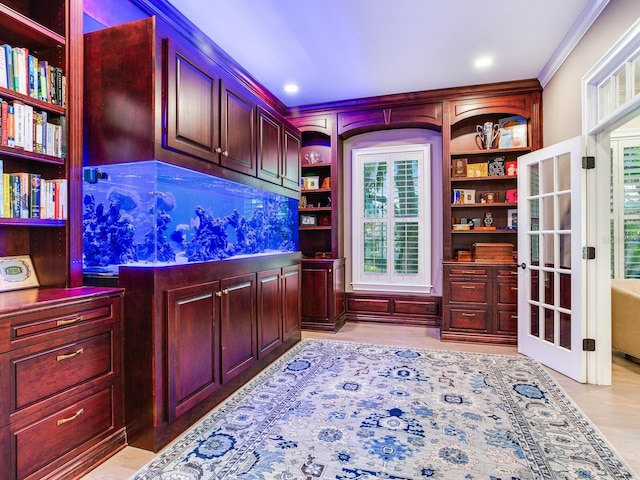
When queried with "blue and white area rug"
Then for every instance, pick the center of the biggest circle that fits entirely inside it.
(339, 410)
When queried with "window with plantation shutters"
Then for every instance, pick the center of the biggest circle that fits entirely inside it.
(625, 206)
(391, 220)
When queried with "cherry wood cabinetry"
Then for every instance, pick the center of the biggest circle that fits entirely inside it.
(195, 333)
(49, 31)
(278, 150)
(323, 294)
(61, 400)
(421, 115)
(388, 307)
(210, 119)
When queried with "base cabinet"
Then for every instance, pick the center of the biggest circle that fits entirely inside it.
(196, 333)
(323, 294)
(61, 386)
(480, 303)
(399, 308)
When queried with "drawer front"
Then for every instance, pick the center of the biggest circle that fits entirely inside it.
(37, 323)
(467, 271)
(45, 373)
(414, 307)
(474, 292)
(48, 439)
(368, 305)
(507, 321)
(508, 293)
(467, 319)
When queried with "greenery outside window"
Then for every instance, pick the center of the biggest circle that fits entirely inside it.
(391, 220)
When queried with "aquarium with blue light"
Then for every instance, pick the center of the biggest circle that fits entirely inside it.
(154, 214)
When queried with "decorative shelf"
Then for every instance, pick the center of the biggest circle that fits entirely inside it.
(484, 205)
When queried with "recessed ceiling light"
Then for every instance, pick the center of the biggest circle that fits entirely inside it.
(291, 88)
(483, 62)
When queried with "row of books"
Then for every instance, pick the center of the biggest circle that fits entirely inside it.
(22, 72)
(28, 195)
(23, 127)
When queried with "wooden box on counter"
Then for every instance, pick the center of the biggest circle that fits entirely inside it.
(492, 252)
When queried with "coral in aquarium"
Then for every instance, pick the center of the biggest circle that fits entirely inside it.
(107, 235)
(156, 247)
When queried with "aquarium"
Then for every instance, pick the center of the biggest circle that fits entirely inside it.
(153, 213)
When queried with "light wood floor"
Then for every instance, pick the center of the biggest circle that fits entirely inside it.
(615, 410)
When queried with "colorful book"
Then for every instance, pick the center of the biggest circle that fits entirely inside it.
(35, 183)
(11, 126)
(1, 188)
(28, 128)
(4, 140)
(3, 68)
(18, 111)
(6, 195)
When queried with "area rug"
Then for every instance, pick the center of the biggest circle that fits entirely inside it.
(340, 410)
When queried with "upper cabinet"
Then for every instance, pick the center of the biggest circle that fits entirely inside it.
(41, 96)
(278, 150)
(178, 106)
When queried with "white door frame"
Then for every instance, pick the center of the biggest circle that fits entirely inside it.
(597, 141)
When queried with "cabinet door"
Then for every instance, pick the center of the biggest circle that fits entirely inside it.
(291, 281)
(269, 147)
(238, 318)
(291, 159)
(192, 346)
(237, 135)
(269, 311)
(192, 102)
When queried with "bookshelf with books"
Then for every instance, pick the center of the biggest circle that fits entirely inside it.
(487, 134)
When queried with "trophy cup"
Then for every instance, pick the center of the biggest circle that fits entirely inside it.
(488, 133)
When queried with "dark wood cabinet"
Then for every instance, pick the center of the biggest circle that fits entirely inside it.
(238, 128)
(193, 325)
(238, 324)
(323, 294)
(427, 115)
(390, 307)
(195, 333)
(278, 307)
(61, 402)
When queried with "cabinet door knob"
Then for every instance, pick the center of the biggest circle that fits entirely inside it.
(225, 154)
(218, 150)
(218, 294)
(225, 291)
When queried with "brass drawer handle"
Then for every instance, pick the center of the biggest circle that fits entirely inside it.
(69, 321)
(514, 288)
(69, 355)
(514, 317)
(468, 314)
(468, 287)
(62, 421)
(469, 272)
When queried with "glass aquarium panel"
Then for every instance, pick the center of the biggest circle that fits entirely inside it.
(153, 213)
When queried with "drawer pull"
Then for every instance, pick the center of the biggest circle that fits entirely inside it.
(62, 421)
(468, 314)
(69, 321)
(514, 289)
(469, 272)
(514, 317)
(69, 355)
(468, 287)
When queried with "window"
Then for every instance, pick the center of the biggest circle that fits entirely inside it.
(625, 207)
(391, 219)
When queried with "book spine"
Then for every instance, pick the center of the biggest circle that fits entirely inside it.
(1, 188)
(3, 68)
(11, 127)
(31, 62)
(58, 86)
(6, 195)
(52, 85)
(25, 190)
(35, 183)
(38, 134)
(44, 81)
(18, 110)
(15, 196)
(4, 141)
(28, 128)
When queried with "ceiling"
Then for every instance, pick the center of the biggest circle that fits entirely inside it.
(344, 49)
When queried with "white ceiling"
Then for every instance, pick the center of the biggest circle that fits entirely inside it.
(344, 49)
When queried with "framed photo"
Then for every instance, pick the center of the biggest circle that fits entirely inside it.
(512, 168)
(311, 183)
(459, 167)
(489, 197)
(308, 220)
(512, 218)
(16, 273)
(477, 169)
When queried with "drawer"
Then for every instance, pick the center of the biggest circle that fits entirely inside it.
(40, 375)
(37, 323)
(50, 438)
(507, 293)
(415, 307)
(473, 292)
(507, 321)
(368, 305)
(467, 271)
(468, 319)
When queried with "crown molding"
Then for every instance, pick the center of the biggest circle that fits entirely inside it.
(588, 16)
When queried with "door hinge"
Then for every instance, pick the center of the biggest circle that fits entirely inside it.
(588, 163)
(588, 345)
(588, 253)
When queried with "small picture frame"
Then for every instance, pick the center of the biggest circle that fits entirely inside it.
(308, 220)
(459, 168)
(489, 197)
(512, 218)
(312, 183)
(17, 272)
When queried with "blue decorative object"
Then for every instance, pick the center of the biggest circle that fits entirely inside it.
(153, 213)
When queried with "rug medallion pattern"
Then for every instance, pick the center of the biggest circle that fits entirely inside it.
(341, 410)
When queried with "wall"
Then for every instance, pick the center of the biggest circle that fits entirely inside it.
(562, 96)
(386, 138)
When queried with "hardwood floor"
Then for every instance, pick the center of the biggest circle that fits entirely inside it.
(615, 410)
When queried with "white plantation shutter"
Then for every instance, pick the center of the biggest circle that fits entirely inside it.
(391, 219)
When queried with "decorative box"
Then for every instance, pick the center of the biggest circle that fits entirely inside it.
(492, 252)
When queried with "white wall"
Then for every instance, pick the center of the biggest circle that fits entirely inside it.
(561, 98)
(386, 138)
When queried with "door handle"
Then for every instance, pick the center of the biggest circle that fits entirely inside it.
(523, 266)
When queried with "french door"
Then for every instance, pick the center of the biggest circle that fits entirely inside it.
(551, 310)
